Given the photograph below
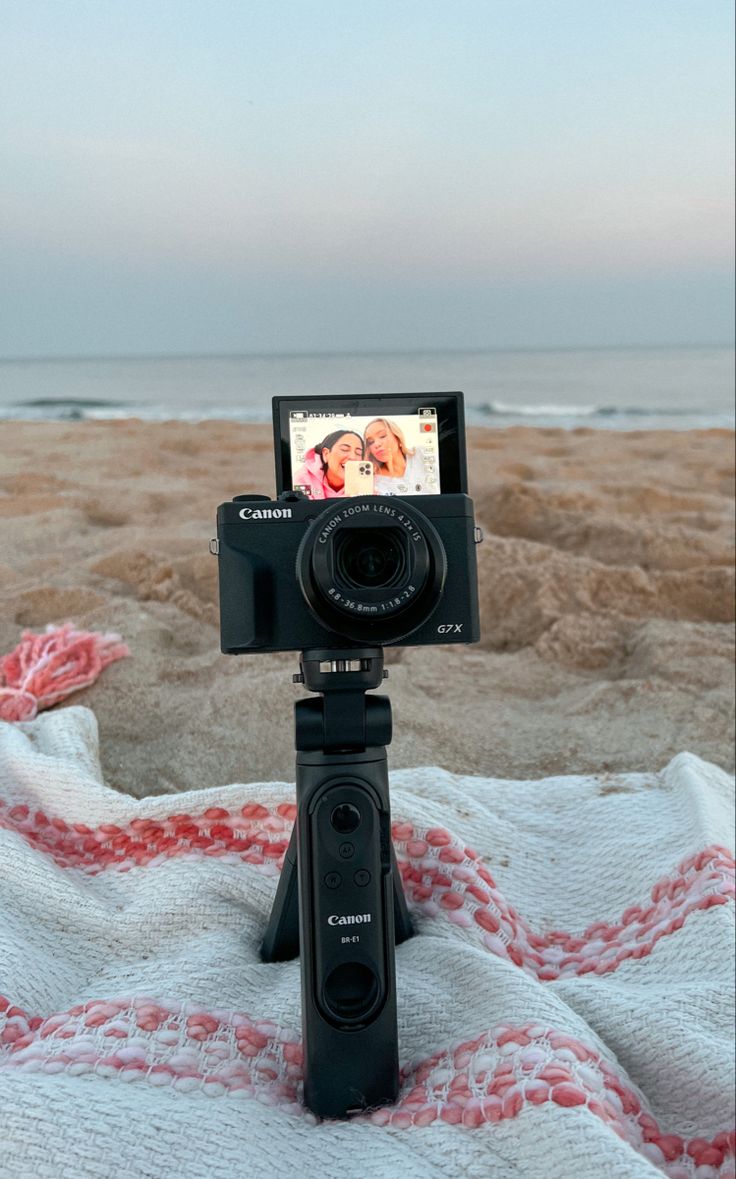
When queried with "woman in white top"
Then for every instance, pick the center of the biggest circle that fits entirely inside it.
(397, 470)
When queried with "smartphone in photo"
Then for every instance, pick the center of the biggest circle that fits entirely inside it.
(358, 477)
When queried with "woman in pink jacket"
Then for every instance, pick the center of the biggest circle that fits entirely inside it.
(322, 475)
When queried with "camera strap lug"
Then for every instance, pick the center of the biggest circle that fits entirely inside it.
(215, 546)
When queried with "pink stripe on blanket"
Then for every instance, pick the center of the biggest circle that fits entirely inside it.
(254, 834)
(442, 879)
(489, 1078)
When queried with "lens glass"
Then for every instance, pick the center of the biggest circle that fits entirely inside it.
(370, 558)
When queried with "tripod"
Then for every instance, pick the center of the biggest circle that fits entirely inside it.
(340, 901)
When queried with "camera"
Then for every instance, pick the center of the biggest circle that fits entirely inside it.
(371, 571)
(370, 542)
(392, 567)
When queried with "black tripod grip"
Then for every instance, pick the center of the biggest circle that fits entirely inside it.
(340, 902)
(346, 933)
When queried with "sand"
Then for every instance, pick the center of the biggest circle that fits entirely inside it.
(606, 583)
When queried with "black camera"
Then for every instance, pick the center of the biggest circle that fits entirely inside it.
(369, 542)
(369, 571)
(318, 567)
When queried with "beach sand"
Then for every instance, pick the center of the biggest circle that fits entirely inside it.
(606, 583)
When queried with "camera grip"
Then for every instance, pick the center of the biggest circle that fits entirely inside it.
(245, 591)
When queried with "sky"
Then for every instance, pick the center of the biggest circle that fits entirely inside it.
(309, 175)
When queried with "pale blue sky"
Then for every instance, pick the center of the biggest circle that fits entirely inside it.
(239, 176)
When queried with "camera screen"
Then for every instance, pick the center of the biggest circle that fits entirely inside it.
(338, 454)
(375, 444)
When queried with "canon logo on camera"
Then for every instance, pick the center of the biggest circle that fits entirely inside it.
(265, 513)
(356, 919)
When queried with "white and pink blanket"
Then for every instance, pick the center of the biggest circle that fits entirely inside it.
(565, 1007)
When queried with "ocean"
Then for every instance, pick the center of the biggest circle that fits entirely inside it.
(625, 388)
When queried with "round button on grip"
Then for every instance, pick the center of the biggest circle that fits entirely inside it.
(350, 990)
(345, 818)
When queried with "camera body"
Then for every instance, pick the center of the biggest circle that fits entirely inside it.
(368, 570)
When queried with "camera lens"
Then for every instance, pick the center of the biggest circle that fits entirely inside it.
(372, 570)
(368, 557)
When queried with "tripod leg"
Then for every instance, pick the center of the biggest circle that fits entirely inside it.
(281, 940)
(403, 928)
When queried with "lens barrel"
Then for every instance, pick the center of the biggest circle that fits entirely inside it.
(373, 569)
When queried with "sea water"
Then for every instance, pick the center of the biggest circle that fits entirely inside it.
(624, 388)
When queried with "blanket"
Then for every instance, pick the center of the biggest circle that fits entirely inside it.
(565, 1006)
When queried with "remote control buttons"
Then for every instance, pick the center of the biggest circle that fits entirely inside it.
(333, 879)
(347, 851)
(362, 877)
(345, 818)
(350, 990)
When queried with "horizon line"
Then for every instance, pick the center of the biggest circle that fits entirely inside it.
(316, 353)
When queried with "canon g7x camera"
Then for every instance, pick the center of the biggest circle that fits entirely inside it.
(319, 568)
(370, 542)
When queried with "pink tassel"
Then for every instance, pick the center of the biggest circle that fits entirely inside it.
(45, 668)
